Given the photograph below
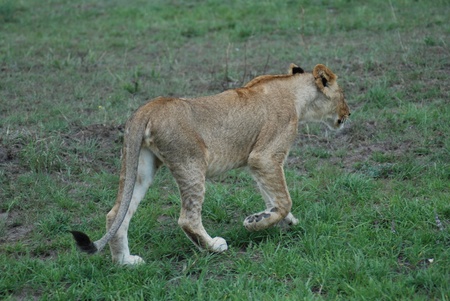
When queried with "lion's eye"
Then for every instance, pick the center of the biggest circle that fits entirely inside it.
(339, 121)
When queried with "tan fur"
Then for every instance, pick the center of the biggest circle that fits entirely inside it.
(252, 126)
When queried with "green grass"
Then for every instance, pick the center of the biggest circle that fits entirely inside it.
(372, 199)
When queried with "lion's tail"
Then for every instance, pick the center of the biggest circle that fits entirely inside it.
(134, 133)
(84, 243)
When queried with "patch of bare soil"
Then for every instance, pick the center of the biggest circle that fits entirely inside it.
(108, 139)
(12, 228)
(107, 134)
(9, 154)
(355, 139)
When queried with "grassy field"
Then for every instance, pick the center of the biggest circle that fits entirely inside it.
(373, 199)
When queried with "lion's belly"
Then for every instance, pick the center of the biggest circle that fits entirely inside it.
(220, 163)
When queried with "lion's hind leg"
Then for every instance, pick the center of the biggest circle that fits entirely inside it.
(148, 165)
(191, 183)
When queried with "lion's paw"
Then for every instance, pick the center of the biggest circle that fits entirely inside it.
(132, 260)
(288, 221)
(218, 245)
(257, 221)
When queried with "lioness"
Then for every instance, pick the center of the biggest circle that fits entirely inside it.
(252, 126)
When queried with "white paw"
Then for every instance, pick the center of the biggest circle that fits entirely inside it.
(132, 260)
(288, 221)
(292, 220)
(218, 245)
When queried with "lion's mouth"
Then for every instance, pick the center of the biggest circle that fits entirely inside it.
(341, 120)
(335, 122)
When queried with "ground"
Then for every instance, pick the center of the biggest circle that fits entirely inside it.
(372, 199)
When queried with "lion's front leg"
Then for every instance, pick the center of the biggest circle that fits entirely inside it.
(285, 223)
(270, 178)
(191, 183)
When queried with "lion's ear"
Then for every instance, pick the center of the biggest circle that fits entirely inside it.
(294, 69)
(323, 76)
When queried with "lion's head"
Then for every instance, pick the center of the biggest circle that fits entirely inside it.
(337, 108)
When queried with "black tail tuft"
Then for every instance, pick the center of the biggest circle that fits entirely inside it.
(83, 242)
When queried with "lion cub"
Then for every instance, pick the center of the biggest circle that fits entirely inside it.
(252, 126)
